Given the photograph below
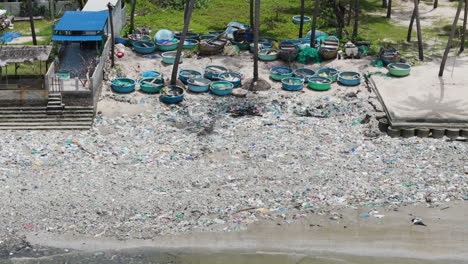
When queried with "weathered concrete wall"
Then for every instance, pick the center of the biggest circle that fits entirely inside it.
(23, 97)
(79, 98)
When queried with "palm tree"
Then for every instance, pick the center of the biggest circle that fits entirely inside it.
(302, 19)
(175, 68)
(314, 23)
(450, 40)
(132, 17)
(31, 21)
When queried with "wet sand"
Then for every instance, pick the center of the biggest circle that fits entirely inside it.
(315, 240)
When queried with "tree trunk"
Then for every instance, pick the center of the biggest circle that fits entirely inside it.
(384, 3)
(175, 68)
(251, 13)
(350, 12)
(356, 19)
(111, 21)
(80, 4)
(389, 9)
(31, 21)
(256, 36)
(418, 29)
(301, 26)
(450, 40)
(132, 17)
(314, 23)
(410, 28)
(340, 12)
(436, 3)
(465, 17)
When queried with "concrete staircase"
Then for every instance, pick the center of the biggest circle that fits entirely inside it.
(54, 116)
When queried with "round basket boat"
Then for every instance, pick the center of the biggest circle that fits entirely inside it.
(151, 84)
(172, 94)
(198, 85)
(292, 83)
(123, 85)
(280, 72)
(268, 54)
(399, 69)
(297, 20)
(349, 78)
(233, 77)
(186, 74)
(212, 72)
(144, 47)
(330, 73)
(190, 43)
(221, 88)
(169, 57)
(319, 83)
(167, 47)
(304, 73)
(150, 74)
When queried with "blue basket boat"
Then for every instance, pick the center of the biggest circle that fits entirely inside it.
(189, 35)
(172, 94)
(233, 77)
(268, 54)
(304, 73)
(280, 72)
(261, 45)
(208, 36)
(292, 83)
(186, 74)
(167, 46)
(297, 20)
(151, 84)
(144, 47)
(199, 85)
(212, 72)
(349, 78)
(221, 88)
(123, 85)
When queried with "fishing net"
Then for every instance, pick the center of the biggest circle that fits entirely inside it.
(377, 63)
(308, 55)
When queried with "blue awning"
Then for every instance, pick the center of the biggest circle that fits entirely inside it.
(82, 21)
(76, 38)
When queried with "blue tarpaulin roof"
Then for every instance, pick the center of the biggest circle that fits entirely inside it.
(76, 38)
(82, 21)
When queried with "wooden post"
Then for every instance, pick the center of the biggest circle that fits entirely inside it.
(132, 17)
(384, 3)
(175, 68)
(436, 3)
(111, 21)
(356, 19)
(256, 36)
(389, 9)
(450, 40)
(418, 29)
(80, 4)
(251, 13)
(465, 17)
(31, 21)
(301, 26)
(314, 23)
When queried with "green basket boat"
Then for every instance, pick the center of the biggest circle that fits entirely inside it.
(319, 83)
(399, 69)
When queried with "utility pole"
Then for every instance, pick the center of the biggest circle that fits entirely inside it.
(418, 29)
(111, 21)
(175, 68)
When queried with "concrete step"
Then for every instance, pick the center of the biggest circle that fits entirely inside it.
(15, 109)
(42, 116)
(45, 128)
(55, 103)
(46, 120)
(42, 123)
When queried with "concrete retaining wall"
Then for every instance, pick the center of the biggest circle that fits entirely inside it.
(23, 97)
